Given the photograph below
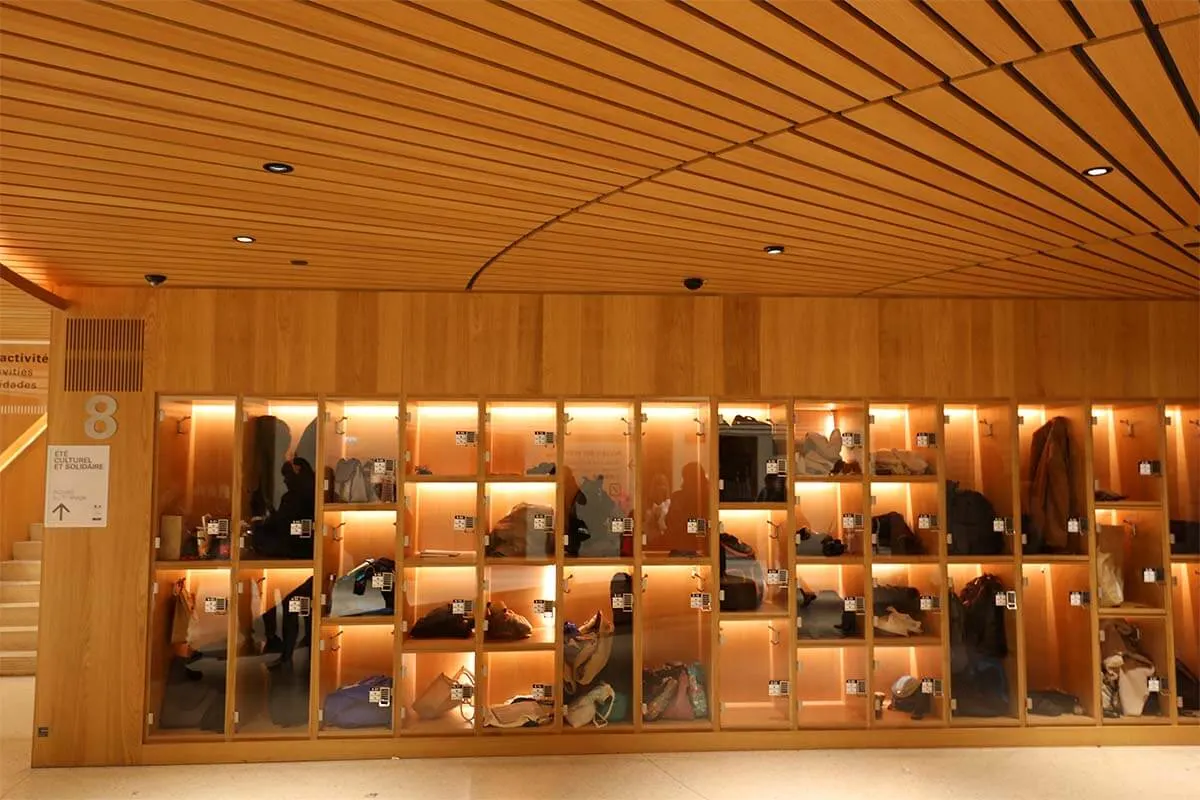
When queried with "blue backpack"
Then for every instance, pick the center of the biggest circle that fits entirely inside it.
(354, 706)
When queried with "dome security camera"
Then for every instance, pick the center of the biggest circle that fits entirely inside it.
(155, 279)
(693, 284)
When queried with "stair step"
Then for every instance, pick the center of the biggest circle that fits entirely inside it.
(27, 551)
(20, 570)
(20, 591)
(36, 531)
(18, 614)
(21, 637)
(18, 662)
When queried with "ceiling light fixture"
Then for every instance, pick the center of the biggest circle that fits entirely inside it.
(299, 262)
(278, 167)
(243, 239)
(773, 249)
(1096, 172)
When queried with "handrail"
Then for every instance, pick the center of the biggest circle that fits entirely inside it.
(22, 442)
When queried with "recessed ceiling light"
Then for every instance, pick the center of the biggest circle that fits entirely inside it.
(1096, 172)
(278, 167)
(773, 249)
(244, 239)
(299, 262)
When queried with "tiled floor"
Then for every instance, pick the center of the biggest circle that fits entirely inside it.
(1092, 773)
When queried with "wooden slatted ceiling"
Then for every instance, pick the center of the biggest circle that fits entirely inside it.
(893, 147)
(22, 317)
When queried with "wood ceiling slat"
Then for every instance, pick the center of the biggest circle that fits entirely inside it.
(22, 316)
(861, 199)
(1108, 17)
(1158, 247)
(893, 124)
(301, 196)
(1046, 21)
(720, 193)
(555, 54)
(1118, 259)
(591, 22)
(49, 154)
(948, 112)
(248, 205)
(1182, 237)
(1168, 10)
(852, 175)
(646, 209)
(1063, 79)
(609, 228)
(56, 124)
(756, 21)
(908, 23)
(982, 198)
(1091, 269)
(1183, 40)
(38, 62)
(1001, 94)
(1131, 65)
(1068, 278)
(344, 44)
(287, 76)
(835, 24)
(983, 25)
(703, 35)
(1118, 252)
(990, 281)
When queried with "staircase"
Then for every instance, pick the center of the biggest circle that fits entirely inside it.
(20, 588)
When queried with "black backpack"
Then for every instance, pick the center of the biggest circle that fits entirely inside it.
(620, 586)
(970, 519)
(894, 537)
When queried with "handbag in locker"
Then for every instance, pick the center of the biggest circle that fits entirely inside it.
(358, 593)
(743, 582)
(365, 704)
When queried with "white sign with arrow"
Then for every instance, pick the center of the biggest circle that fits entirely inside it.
(77, 486)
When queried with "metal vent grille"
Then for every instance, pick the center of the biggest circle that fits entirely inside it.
(104, 355)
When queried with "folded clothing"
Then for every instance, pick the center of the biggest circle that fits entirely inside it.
(818, 454)
(519, 712)
(899, 462)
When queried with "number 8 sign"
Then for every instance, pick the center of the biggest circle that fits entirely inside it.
(100, 422)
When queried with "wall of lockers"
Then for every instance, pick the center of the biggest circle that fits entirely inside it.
(220, 390)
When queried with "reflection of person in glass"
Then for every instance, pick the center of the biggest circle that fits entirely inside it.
(658, 502)
(689, 502)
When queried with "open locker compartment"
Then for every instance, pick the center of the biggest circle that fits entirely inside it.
(521, 521)
(830, 509)
(279, 479)
(441, 522)
(1057, 651)
(907, 604)
(358, 562)
(275, 609)
(438, 607)
(438, 690)
(1127, 457)
(362, 452)
(831, 687)
(678, 603)
(765, 564)
(907, 683)
(1185, 605)
(520, 607)
(1131, 560)
(829, 439)
(906, 521)
(356, 669)
(904, 440)
(1136, 677)
(194, 478)
(1183, 476)
(984, 680)
(980, 479)
(752, 462)
(441, 440)
(675, 463)
(517, 692)
(598, 482)
(755, 688)
(189, 652)
(1052, 443)
(522, 440)
(831, 604)
(597, 618)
